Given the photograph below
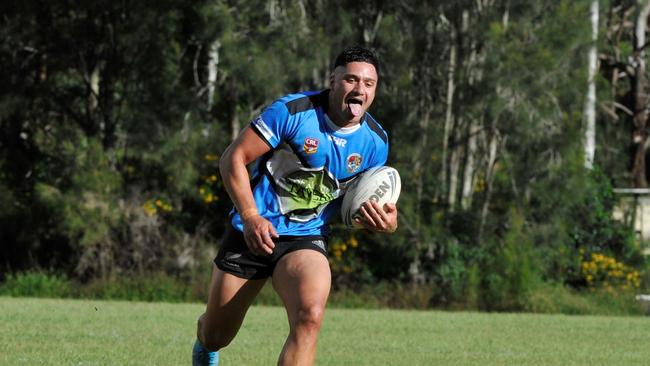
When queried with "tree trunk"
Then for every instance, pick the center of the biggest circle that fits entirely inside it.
(640, 97)
(590, 102)
(109, 75)
(489, 178)
(449, 116)
(455, 158)
(272, 6)
(475, 75)
(454, 168)
(369, 34)
(470, 165)
(213, 68)
(94, 90)
(235, 125)
(419, 160)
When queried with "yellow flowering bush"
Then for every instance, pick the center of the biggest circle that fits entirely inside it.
(209, 184)
(602, 271)
(207, 188)
(339, 262)
(154, 206)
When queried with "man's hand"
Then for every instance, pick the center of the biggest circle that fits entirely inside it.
(376, 218)
(259, 234)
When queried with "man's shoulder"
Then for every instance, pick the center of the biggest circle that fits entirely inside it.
(303, 101)
(375, 127)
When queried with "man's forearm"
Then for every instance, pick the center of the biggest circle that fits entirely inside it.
(237, 181)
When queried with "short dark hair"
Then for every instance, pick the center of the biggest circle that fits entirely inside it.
(357, 54)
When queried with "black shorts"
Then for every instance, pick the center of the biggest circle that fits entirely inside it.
(234, 256)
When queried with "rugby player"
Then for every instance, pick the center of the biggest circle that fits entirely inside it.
(306, 148)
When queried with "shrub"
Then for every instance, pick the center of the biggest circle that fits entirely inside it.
(148, 287)
(36, 284)
(599, 239)
(599, 270)
(560, 299)
(554, 299)
(508, 270)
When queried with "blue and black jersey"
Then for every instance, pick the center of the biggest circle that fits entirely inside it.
(299, 184)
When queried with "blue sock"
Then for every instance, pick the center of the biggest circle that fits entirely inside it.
(203, 357)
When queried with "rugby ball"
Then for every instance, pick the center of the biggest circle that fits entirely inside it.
(381, 184)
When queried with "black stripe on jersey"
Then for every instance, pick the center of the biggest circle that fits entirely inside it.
(261, 165)
(254, 128)
(374, 126)
(308, 102)
(262, 170)
(256, 179)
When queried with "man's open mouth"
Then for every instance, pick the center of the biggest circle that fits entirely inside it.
(354, 106)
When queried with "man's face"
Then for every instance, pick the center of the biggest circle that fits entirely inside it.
(352, 90)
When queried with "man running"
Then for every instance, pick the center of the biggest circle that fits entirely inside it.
(307, 147)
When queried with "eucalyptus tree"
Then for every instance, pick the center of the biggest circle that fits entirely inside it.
(625, 104)
(590, 100)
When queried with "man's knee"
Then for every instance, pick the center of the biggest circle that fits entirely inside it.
(214, 343)
(212, 339)
(215, 340)
(310, 317)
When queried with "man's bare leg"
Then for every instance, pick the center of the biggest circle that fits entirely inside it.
(302, 279)
(228, 301)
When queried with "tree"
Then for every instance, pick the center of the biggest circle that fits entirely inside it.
(623, 66)
(641, 100)
(114, 114)
(590, 101)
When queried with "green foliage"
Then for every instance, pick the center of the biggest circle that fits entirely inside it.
(109, 145)
(559, 299)
(158, 287)
(89, 207)
(595, 228)
(150, 287)
(394, 295)
(36, 284)
(507, 272)
(452, 278)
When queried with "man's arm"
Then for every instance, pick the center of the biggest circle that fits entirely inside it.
(245, 149)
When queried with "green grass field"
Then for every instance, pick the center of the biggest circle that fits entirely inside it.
(88, 332)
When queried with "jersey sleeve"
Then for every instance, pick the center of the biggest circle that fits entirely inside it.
(380, 157)
(273, 124)
(379, 136)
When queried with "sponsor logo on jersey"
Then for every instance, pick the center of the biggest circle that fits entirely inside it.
(354, 162)
(338, 141)
(310, 145)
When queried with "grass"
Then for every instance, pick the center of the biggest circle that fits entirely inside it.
(93, 332)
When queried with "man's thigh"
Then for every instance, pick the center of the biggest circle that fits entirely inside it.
(302, 279)
(229, 299)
